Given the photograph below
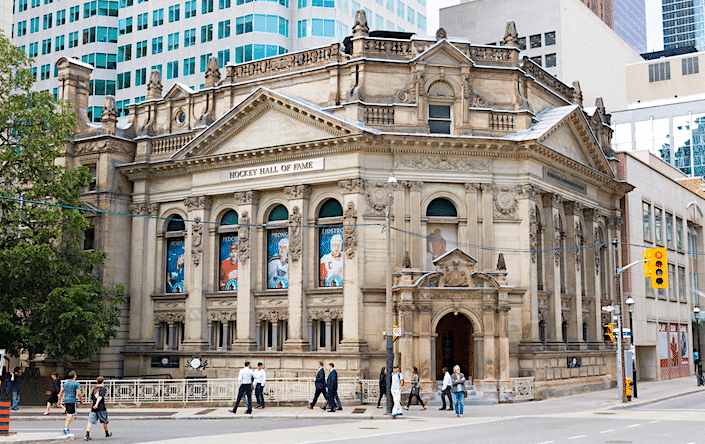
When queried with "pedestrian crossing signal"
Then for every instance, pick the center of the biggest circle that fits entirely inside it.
(608, 333)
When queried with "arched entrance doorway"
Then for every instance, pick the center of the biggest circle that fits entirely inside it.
(454, 344)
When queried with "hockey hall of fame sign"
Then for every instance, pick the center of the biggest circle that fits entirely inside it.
(274, 169)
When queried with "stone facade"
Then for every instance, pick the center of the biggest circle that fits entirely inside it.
(506, 196)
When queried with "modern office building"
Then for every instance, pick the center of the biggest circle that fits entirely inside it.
(559, 35)
(126, 40)
(666, 111)
(674, 24)
(6, 18)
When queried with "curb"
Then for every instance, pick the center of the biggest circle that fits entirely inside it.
(43, 440)
(654, 401)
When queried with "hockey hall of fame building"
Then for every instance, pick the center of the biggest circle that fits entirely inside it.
(263, 197)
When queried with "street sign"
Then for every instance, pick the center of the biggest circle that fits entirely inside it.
(627, 333)
(396, 331)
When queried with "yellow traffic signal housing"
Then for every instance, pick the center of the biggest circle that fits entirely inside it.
(648, 255)
(608, 333)
(659, 270)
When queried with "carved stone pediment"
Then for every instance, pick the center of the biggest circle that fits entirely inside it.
(457, 267)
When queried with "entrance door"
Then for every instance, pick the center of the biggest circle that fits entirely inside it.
(454, 345)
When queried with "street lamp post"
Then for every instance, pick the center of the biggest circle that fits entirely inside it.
(698, 365)
(630, 304)
(389, 304)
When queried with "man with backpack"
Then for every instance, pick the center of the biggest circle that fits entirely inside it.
(98, 410)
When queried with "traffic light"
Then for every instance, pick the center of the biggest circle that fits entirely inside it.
(656, 267)
(608, 333)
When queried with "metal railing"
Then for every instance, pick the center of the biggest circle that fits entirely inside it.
(145, 391)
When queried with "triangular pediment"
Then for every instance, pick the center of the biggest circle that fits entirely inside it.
(443, 53)
(572, 137)
(457, 268)
(178, 91)
(267, 119)
(454, 255)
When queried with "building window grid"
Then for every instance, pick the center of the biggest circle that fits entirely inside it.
(679, 234)
(190, 37)
(174, 13)
(59, 43)
(158, 17)
(681, 284)
(658, 226)
(690, 66)
(535, 41)
(669, 230)
(659, 71)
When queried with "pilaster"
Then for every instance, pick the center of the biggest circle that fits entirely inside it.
(298, 196)
(574, 236)
(487, 227)
(552, 236)
(247, 202)
(529, 237)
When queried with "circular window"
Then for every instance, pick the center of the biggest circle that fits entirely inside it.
(180, 117)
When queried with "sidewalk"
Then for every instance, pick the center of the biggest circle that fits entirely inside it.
(649, 393)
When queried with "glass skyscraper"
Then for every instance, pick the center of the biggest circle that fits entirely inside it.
(683, 24)
(630, 23)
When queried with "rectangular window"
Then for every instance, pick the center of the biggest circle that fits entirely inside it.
(73, 13)
(669, 230)
(61, 17)
(90, 9)
(33, 49)
(243, 24)
(158, 17)
(124, 53)
(189, 66)
(172, 70)
(672, 282)
(224, 29)
(73, 39)
(206, 6)
(123, 80)
(121, 107)
(681, 284)
(439, 119)
(535, 41)
(174, 13)
(21, 28)
(690, 66)
(302, 4)
(421, 21)
(659, 72)
(157, 45)
(156, 68)
(45, 72)
(22, 5)
(223, 4)
(142, 21)
(223, 58)
(173, 40)
(141, 50)
(36, 3)
(204, 61)
(59, 43)
(206, 33)
(302, 26)
(550, 60)
(125, 26)
(190, 9)
(658, 225)
(125, 4)
(646, 219)
(550, 38)
(34, 25)
(46, 46)
(190, 37)
(410, 15)
(400, 9)
(522, 43)
(33, 72)
(140, 76)
(390, 5)
(679, 234)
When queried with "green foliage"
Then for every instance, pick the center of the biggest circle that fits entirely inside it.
(50, 300)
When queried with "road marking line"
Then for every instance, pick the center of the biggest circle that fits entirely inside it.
(546, 442)
(607, 431)
(653, 422)
(576, 437)
(633, 425)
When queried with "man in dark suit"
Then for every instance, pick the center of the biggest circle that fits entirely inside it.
(332, 388)
(320, 385)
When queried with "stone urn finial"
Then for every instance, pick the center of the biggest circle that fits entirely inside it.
(511, 37)
(108, 118)
(577, 93)
(154, 87)
(212, 73)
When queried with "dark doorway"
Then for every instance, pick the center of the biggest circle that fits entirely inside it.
(454, 344)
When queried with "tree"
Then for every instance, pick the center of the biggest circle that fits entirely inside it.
(50, 299)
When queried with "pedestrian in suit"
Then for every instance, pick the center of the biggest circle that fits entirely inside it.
(260, 380)
(320, 385)
(445, 390)
(332, 388)
(244, 379)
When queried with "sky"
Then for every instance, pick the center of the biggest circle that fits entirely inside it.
(432, 7)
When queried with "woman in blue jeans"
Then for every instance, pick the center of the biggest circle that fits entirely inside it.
(458, 382)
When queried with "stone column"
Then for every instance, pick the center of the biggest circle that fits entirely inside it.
(353, 278)
(487, 227)
(592, 284)
(195, 329)
(406, 342)
(471, 195)
(153, 272)
(552, 235)
(298, 240)
(417, 251)
(574, 284)
(426, 349)
(226, 334)
(490, 348)
(137, 298)
(529, 267)
(505, 384)
(247, 256)
(329, 333)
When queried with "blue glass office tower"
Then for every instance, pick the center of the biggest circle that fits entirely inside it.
(683, 24)
(629, 22)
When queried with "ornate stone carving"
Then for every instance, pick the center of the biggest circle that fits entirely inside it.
(597, 250)
(533, 233)
(416, 85)
(169, 317)
(327, 314)
(103, 146)
(197, 203)
(557, 233)
(455, 276)
(551, 200)
(352, 186)
(273, 316)
(473, 187)
(378, 195)
(350, 231)
(413, 185)
(295, 236)
(579, 241)
(196, 241)
(144, 209)
(528, 190)
(441, 34)
(297, 192)
(247, 197)
(511, 38)
(443, 163)
(222, 316)
(505, 202)
(520, 102)
(614, 222)
(243, 238)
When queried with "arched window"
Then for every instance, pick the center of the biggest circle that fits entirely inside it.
(441, 229)
(330, 244)
(175, 256)
(228, 251)
(278, 248)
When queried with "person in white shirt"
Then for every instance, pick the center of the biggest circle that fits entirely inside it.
(260, 379)
(445, 390)
(397, 384)
(244, 380)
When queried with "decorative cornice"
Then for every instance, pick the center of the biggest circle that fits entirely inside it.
(198, 202)
(246, 197)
